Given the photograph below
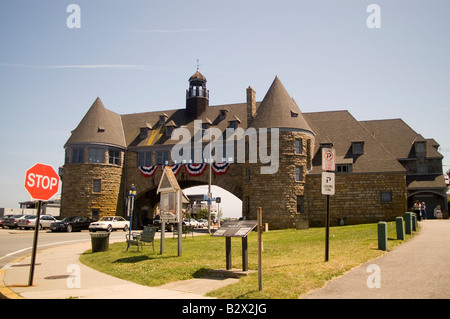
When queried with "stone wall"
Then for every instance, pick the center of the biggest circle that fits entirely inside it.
(357, 199)
(78, 195)
(278, 194)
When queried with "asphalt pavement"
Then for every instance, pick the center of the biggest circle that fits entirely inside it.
(417, 269)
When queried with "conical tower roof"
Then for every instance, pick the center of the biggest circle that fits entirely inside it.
(279, 110)
(99, 126)
(197, 76)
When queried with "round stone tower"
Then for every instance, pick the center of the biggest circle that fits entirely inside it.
(93, 169)
(280, 193)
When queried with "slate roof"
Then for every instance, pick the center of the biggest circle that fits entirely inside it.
(398, 138)
(279, 110)
(99, 126)
(341, 128)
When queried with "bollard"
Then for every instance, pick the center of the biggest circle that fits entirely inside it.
(400, 228)
(414, 222)
(408, 223)
(382, 235)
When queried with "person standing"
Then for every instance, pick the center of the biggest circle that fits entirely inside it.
(417, 209)
(423, 210)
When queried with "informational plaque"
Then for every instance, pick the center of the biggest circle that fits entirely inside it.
(236, 228)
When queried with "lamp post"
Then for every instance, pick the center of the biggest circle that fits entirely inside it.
(131, 195)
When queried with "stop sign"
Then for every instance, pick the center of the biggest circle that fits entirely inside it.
(41, 181)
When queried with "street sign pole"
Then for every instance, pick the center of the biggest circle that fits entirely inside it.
(327, 230)
(41, 182)
(35, 241)
(328, 188)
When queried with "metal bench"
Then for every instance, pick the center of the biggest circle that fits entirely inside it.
(184, 230)
(147, 236)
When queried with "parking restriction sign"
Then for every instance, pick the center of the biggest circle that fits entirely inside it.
(328, 159)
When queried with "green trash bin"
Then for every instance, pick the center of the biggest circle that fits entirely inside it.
(100, 241)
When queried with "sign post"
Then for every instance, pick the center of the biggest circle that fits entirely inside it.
(328, 188)
(42, 182)
(170, 205)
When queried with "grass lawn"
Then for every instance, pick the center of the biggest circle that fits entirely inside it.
(293, 260)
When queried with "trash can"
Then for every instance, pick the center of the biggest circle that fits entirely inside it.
(100, 241)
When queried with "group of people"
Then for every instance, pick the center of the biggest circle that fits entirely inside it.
(421, 211)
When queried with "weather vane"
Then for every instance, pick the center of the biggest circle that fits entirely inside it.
(198, 64)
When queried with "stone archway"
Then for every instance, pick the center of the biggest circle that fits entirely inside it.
(146, 201)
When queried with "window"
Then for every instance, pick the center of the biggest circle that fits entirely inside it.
(78, 155)
(96, 155)
(386, 197)
(67, 157)
(233, 124)
(299, 204)
(420, 147)
(97, 187)
(422, 168)
(358, 148)
(114, 157)
(298, 146)
(143, 132)
(169, 130)
(299, 173)
(162, 119)
(144, 158)
(162, 158)
(344, 168)
(96, 214)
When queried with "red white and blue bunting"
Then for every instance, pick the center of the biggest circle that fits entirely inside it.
(220, 168)
(191, 169)
(195, 169)
(175, 168)
(148, 171)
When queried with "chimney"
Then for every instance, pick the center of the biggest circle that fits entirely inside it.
(251, 105)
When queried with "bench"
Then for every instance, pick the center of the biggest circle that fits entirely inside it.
(147, 236)
(184, 230)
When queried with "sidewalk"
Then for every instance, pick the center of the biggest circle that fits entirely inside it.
(418, 269)
(52, 281)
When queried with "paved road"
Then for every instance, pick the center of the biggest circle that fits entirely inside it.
(15, 243)
(418, 269)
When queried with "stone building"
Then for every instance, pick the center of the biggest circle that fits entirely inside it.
(266, 153)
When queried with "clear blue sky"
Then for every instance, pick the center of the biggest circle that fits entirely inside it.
(138, 55)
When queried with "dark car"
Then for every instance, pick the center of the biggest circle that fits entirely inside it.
(12, 222)
(2, 219)
(72, 223)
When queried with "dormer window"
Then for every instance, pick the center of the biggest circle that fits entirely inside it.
(169, 128)
(420, 147)
(358, 148)
(162, 119)
(234, 123)
(223, 114)
(294, 114)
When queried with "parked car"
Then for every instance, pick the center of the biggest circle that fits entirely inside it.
(11, 222)
(22, 221)
(72, 223)
(29, 221)
(192, 222)
(110, 223)
(202, 222)
(2, 219)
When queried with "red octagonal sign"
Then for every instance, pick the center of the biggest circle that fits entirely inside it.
(42, 182)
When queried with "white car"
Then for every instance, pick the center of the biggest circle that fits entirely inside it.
(202, 222)
(110, 223)
(191, 222)
(29, 221)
